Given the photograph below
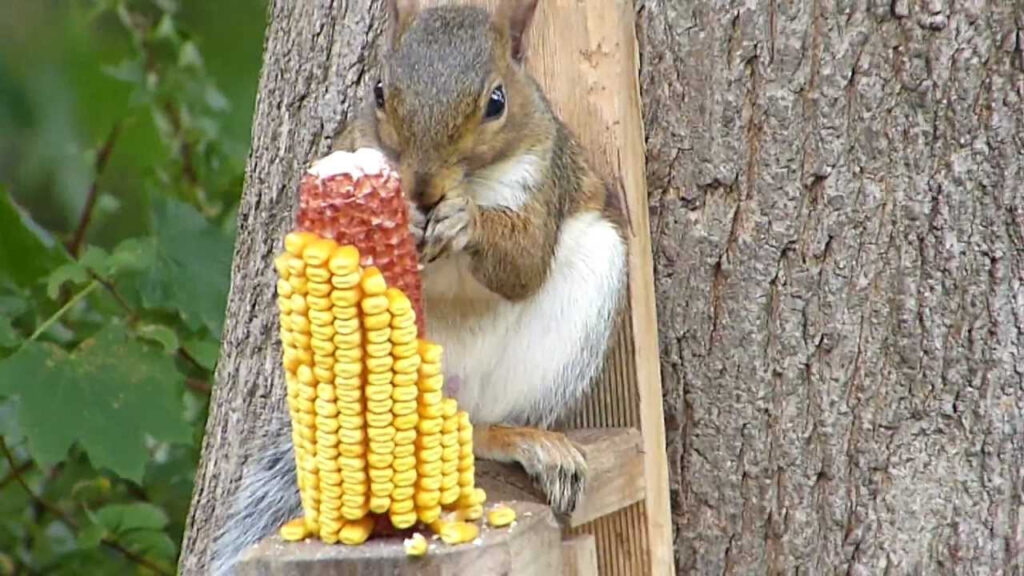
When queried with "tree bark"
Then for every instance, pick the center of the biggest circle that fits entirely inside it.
(316, 58)
(837, 208)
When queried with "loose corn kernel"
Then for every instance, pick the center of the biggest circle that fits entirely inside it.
(500, 516)
(415, 546)
(294, 530)
(459, 533)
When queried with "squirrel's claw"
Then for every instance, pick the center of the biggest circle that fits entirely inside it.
(449, 228)
(560, 471)
(417, 223)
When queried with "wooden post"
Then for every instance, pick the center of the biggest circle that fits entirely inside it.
(584, 54)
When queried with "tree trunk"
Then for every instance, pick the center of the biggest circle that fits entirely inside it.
(315, 59)
(837, 208)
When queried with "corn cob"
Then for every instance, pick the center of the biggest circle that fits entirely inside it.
(373, 435)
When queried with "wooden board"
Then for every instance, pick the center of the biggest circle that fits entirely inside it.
(530, 547)
(585, 56)
(579, 556)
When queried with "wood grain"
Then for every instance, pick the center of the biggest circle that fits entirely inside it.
(579, 556)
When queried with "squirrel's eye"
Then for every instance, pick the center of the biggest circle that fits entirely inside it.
(495, 104)
(378, 94)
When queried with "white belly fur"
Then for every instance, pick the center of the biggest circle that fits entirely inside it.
(523, 363)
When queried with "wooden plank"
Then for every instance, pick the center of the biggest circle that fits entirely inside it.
(532, 546)
(579, 556)
(615, 464)
(585, 56)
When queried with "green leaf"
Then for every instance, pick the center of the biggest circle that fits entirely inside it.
(72, 272)
(205, 352)
(121, 518)
(24, 257)
(133, 254)
(161, 334)
(8, 337)
(108, 396)
(138, 526)
(192, 272)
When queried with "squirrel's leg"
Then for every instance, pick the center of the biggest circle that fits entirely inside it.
(526, 362)
(547, 456)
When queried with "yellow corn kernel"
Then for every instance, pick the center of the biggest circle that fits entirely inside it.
(404, 449)
(344, 325)
(346, 341)
(319, 275)
(345, 298)
(429, 515)
(346, 281)
(427, 498)
(403, 520)
(376, 304)
(415, 546)
(403, 321)
(373, 282)
(430, 425)
(459, 533)
(404, 379)
(403, 335)
(380, 475)
(381, 488)
(356, 532)
(383, 364)
(379, 336)
(430, 352)
(407, 436)
(405, 394)
(406, 350)
(281, 265)
(380, 460)
(343, 260)
(472, 498)
(379, 405)
(471, 513)
(355, 513)
(427, 370)
(407, 365)
(296, 242)
(318, 251)
(501, 516)
(378, 349)
(379, 504)
(318, 289)
(295, 530)
(449, 495)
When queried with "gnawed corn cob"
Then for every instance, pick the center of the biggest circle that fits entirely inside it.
(373, 434)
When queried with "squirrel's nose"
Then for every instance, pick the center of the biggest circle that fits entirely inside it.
(422, 190)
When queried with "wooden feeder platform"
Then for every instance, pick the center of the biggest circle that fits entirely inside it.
(532, 546)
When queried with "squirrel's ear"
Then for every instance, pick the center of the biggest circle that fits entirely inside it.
(516, 15)
(400, 14)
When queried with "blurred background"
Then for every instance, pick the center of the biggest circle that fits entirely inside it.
(124, 131)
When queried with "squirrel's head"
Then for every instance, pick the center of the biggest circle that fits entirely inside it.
(453, 97)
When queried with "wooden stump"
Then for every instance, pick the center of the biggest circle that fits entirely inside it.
(532, 546)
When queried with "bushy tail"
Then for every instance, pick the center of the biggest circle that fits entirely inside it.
(268, 497)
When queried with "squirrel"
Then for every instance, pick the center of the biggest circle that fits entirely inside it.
(522, 247)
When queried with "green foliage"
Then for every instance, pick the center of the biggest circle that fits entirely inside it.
(124, 129)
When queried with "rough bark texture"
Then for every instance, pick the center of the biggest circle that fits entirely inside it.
(316, 54)
(837, 203)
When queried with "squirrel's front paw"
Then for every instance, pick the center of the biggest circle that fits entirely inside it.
(560, 471)
(417, 223)
(450, 226)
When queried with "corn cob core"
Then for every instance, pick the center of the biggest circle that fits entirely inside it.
(375, 441)
(355, 198)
